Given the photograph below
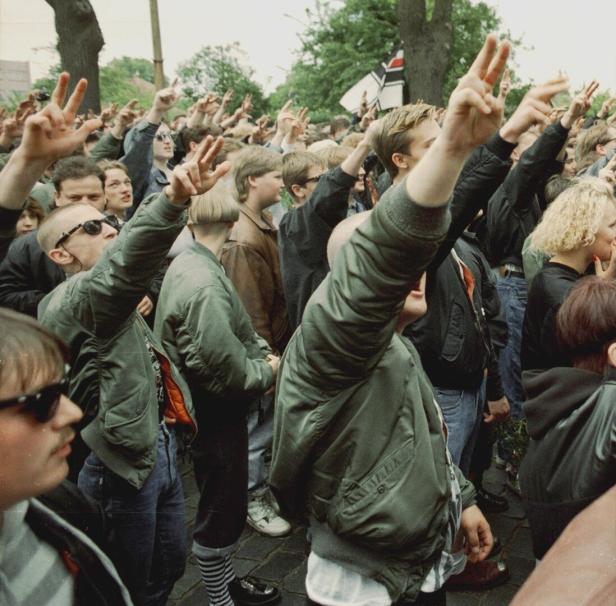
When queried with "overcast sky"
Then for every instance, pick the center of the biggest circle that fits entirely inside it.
(560, 34)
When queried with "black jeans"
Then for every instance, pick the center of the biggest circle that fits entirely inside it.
(220, 460)
(438, 598)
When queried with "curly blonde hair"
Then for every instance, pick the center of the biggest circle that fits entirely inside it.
(573, 219)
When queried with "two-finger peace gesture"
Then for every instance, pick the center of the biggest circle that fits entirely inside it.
(195, 177)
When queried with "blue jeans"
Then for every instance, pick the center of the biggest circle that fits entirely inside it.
(463, 412)
(149, 524)
(513, 293)
(260, 436)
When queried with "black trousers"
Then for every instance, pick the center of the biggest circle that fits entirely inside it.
(220, 460)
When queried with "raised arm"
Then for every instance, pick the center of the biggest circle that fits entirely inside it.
(352, 316)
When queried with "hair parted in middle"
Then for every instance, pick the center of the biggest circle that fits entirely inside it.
(253, 161)
(214, 206)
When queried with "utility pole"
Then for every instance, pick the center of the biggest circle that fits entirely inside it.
(159, 80)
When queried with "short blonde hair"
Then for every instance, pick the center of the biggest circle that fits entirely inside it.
(352, 140)
(296, 166)
(214, 206)
(334, 156)
(253, 161)
(395, 132)
(573, 219)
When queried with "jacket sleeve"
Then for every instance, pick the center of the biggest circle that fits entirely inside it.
(138, 158)
(351, 318)
(252, 279)
(483, 173)
(8, 221)
(216, 358)
(123, 274)
(536, 165)
(107, 148)
(467, 490)
(18, 287)
(329, 200)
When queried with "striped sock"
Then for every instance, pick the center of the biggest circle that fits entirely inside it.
(213, 575)
(229, 572)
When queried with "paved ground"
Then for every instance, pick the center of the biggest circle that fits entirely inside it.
(283, 561)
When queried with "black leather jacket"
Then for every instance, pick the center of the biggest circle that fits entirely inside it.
(571, 458)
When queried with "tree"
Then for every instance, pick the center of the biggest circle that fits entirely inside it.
(216, 69)
(80, 40)
(344, 42)
(134, 67)
(427, 44)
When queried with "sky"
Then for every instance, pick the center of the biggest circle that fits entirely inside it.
(577, 37)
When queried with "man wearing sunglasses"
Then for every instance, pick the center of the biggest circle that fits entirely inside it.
(44, 558)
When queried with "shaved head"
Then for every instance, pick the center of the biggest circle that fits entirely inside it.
(342, 233)
(62, 219)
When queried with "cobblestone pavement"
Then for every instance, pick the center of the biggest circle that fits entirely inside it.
(283, 561)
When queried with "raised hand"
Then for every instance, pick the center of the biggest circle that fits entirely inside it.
(49, 134)
(195, 177)
(608, 172)
(505, 85)
(226, 98)
(166, 98)
(580, 104)
(368, 118)
(533, 109)
(606, 108)
(363, 104)
(124, 118)
(473, 113)
(108, 113)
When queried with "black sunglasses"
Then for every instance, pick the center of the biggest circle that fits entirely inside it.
(163, 136)
(311, 179)
(93, 227)
(43, 404)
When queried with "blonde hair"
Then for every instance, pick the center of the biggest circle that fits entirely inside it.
(334, 156)
(296, 166)
(214, 206)
(253, 161)
(573, 219)
(395, 134)
(587, 141)
(352, 140)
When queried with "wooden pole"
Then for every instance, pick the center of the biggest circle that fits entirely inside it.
(159, 79)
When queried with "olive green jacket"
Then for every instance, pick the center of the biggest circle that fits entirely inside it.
(358, 440)
(112, 377)
(208, 335)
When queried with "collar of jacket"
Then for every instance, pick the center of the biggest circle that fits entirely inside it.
(263, 221)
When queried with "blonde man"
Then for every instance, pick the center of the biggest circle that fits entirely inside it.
(595, 147)
(577, 228)
(209, 336)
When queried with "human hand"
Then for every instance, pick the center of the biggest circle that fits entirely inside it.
(608, 172)
(145, 306)
(368, 118)
(477, 533)
(498, 411)
(226, 98)
(261, 131)
(274, 362)
(108, 113)
(285, 118)
(473, 113)
(166, 98)
(49, 134)
(533, 109)
(207, 105)
(609, 272)
(606, 107)
(580, 104)
(195, 177)
(505, 85)
(363, 105)
(124, 118)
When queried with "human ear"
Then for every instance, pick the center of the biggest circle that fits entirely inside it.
(611, 355)
(400, 160)
(60, 256)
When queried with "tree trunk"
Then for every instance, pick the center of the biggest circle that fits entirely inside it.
(79, 42)
(427, 48)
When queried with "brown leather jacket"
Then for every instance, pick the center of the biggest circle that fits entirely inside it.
(250, 258)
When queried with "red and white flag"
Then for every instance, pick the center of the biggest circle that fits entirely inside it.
(384, 86)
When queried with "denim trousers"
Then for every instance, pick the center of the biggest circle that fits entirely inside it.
(148, 524)
(260, 435)
(513, 294)
(463, 411)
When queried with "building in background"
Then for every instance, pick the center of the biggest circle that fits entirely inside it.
(14, 79)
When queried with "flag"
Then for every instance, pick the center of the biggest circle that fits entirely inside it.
(384, 86)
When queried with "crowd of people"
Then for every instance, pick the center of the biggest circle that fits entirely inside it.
(329, 320)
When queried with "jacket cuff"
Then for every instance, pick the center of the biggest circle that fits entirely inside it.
(560, 129)
(339, 176)
(494, 388)
(415, 221)
(499, 147)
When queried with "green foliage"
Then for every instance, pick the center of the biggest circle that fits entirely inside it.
(344, 42)
(134, 67)
(216, 69)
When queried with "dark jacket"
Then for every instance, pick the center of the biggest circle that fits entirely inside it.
(358, 440)
(302, 239)
(8, 221)
(97, 582)
(27, 274)
(517, 205)
(548, 291)
(571, 459)
(453, 337)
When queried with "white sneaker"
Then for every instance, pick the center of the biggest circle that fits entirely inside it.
(263, 518)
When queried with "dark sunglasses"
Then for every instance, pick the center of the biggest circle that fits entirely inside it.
(163, 136)
(43, 404)
(93, 227)
(313, 179)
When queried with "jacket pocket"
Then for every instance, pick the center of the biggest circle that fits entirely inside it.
(376, 507)
(455, 334)
(129, 430)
